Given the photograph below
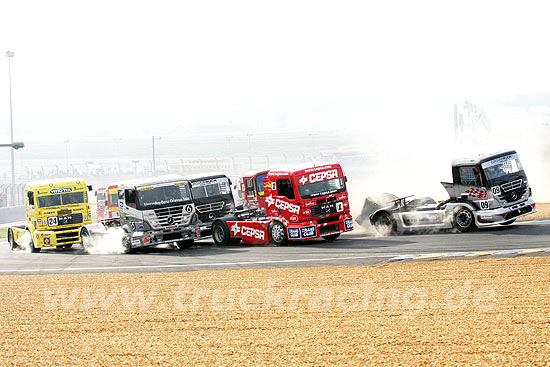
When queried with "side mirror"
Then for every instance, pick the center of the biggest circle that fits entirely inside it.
(345, 178)
(239, 207)
(464, 197)
(90, 188)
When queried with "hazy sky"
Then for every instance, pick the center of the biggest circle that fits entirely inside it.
(156, 65)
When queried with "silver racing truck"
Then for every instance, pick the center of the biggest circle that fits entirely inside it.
(486, 190)
(153, 211)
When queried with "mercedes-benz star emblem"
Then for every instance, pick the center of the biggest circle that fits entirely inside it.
(170, 220)
(211, 216)
(514, 196)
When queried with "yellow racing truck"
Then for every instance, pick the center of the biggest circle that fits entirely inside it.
(56, 210)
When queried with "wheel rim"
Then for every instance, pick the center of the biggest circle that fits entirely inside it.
(464, 218)
(278, 233)
(218, 234)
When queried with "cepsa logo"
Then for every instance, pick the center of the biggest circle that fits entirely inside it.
(319, 176)
(283, 205)
(247, 231)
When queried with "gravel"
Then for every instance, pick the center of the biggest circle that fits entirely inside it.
(476, 312)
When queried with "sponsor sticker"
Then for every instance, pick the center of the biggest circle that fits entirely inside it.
(293, 233)
(348, 224)
(61, 190)
(321, 176)
(308, 232)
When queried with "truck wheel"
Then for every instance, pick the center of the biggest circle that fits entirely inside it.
(220, 233)
(463, 219)
(31, 244)
(331, 237)
(86, 239)
(277, 233)
(13, 246)
(68, 246)
(185, 244)
(383, 223)
(507, 223)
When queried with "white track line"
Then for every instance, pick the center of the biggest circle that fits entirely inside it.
(192, 265)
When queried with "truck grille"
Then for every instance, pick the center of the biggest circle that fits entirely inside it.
(170, 216)
(323, 209)
(509, 186)
(203, 208)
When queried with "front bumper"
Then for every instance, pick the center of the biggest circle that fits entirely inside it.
(154, 238)
(57, 238)
(303, 231)
(502, 215)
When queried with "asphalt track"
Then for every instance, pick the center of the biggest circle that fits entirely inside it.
(356, 248)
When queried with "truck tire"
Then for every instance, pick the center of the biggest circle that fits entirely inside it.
(384, 224)
(13, 246)
(185, 244)
(463, 219)
(86, 239)
(277, 233)
(31, 244)
(220, 233)
(331, 237)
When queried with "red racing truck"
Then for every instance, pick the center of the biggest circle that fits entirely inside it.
(107, 205)
(301, 202)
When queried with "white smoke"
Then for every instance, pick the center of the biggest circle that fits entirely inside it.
(107, 243)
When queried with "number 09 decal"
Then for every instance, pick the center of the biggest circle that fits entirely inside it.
(484, 204)
(496, 190)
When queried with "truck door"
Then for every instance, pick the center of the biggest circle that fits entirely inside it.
(30, 206)
(285, 199)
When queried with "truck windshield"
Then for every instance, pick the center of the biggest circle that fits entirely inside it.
(113, 199)
(62, 199)
(322, 188)
(496, 169)
(211, 188)
(149, 198)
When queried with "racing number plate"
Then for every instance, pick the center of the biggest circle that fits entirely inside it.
(332, 207)
(61, 220)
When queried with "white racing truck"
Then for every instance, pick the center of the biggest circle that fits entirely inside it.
(153, 211)
(486, 190)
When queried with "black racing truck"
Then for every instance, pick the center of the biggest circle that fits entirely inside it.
(213, 198)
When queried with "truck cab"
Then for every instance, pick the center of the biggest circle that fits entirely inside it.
(56, 210)
(495, 186)
(315, 195)
(107, 205)
(212, 197)
(156, 211)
